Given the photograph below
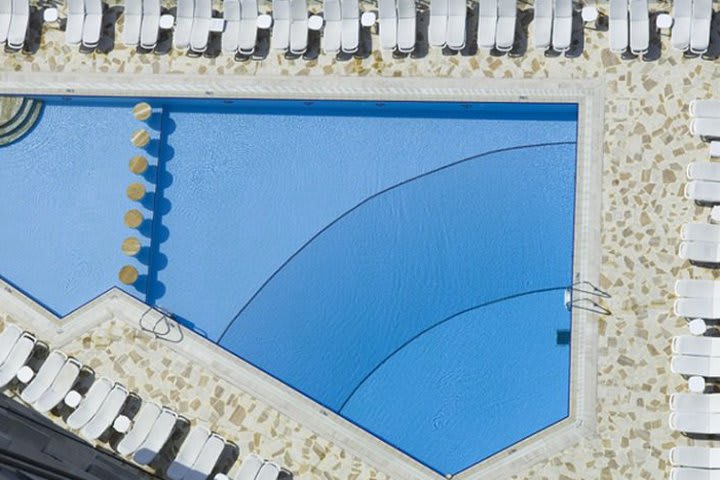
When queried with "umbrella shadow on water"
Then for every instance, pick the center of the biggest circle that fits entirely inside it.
(149, 286)
(157, 261)
(156, 203)
(157, 123)
(161, 178)
(154, 146)
(146, 230)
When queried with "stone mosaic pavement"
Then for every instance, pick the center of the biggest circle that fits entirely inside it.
(646, 149)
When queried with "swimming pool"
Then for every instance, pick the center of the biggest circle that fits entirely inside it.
(402, 264)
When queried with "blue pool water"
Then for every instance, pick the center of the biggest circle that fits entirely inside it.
(403, 265)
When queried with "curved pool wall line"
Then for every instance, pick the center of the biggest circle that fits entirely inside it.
(20, 115)
(406, 259)
(477, 385)
(409, 258)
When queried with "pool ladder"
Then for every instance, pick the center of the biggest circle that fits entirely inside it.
(582, 295)
(163, 326)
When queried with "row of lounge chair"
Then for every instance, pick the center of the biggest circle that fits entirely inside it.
(97, 412)
(397, 25)
(706, 119)
(695, 463)
(691, 27)
(84, 23)
(629, 26)
(696, 413)
(240, 33)
(142, 23)
(553, 24)
(697, 356)
(496, 24)
(14, 18)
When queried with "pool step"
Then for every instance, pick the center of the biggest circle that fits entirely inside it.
(17, 117)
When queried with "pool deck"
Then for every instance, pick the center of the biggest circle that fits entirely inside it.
(646, 147)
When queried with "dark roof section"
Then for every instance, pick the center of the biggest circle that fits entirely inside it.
(34, 448)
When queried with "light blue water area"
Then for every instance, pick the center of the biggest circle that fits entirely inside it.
(285, 177)
(344, 234)
(62, 201)
(401, 264)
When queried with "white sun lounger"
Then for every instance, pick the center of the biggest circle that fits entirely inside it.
(75, 20)
(703, 423)
(90, 405)
(406, 25)
(93, 23)
(231, 34)
(388, 23)
(201, 26)
(715, 149)
(188, 453)
(705, 127)
(700, 457)
(133, 19)
(700, 30)
(142, 424)
(183, 24)
(437, 29)
(680, 34)
(5, 16)
(639, 27)
(700, 232)
(332, 33)
(690, 365)
(695, 288)
(8, 338)
(562, 25)
(457, 13)
(507, 15)
(207, 458)
(298, 26)
(106, 414)
(705, 108)
(18, 24)
(698, 346)
(248, 26)
(150, 24)
(46, 375)
(703, 191)
(708, 171)
(487, 23)
(618, 26)
(17, 358)
(269, 471)
(542, 21)
(702, 252)
(156, 439)
(350, 26)
(694, 474)
(60, 387)
(249, 468)
(281, 24)
(707, 308)
(695, 402)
